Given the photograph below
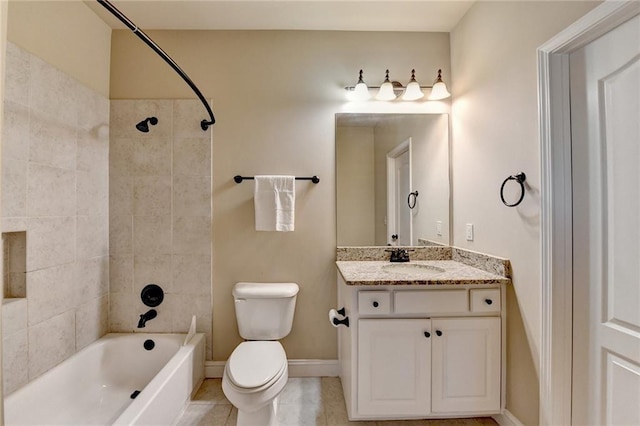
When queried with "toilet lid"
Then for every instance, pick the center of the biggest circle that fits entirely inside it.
(252, 364)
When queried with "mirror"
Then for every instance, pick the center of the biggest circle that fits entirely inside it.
(392, 179)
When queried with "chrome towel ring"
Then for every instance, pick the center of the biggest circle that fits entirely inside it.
(520, 178)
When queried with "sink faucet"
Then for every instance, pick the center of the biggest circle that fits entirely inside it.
(147, 316)
(399, 255)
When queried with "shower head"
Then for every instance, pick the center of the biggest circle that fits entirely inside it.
(143, 126)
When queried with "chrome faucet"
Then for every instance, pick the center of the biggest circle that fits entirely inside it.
(147, 316)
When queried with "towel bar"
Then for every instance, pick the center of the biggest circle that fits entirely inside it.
(314, 179)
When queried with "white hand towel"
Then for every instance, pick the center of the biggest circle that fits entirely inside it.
(274, 200)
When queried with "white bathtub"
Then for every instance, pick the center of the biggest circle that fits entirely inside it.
(94, 386)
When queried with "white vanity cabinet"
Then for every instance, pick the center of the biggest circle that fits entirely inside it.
(421, 351)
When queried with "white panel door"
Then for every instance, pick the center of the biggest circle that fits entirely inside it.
(394, 361)
(605, 115)
(403, 188)
(465, 365)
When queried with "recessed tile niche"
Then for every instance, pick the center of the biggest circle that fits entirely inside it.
(15, 264)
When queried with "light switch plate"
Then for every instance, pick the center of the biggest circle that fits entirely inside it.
(439, 227)
(469, 232)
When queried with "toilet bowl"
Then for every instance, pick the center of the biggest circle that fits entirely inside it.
(253, 378)
(257, 370)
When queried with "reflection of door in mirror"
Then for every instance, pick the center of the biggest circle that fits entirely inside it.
(399, 221)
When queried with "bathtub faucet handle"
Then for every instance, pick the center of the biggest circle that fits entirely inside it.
(147, 316)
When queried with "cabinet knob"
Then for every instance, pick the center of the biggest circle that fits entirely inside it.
(439, 333)
(427, 334)
(488, 301)
(376, 304)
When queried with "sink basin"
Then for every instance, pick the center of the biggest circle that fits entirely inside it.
(413, 269)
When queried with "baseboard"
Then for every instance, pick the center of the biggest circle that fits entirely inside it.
(507, 419)
(297, 368)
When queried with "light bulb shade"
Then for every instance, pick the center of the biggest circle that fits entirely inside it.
(439, 91)
(361, 92)
(412, 92)
(386, 92)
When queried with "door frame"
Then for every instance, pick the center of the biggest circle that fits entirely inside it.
(392, 155)
(556, 203)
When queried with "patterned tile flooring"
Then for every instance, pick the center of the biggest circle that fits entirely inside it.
(311, 401)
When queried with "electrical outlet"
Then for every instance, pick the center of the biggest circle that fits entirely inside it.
(469, 232)
(439, 227)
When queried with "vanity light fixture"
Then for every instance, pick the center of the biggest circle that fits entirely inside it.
(390, 90)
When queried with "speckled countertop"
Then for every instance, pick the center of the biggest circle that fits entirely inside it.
(432, 272)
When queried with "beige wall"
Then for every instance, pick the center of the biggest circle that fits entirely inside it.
(65, 34)
(495, 134)
(275, 95)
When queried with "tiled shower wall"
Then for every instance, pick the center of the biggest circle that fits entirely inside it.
(55, 150)
(160, 215)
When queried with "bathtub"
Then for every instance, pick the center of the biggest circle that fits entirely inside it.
(95, 386)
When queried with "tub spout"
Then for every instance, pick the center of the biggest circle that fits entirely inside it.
(147, 316)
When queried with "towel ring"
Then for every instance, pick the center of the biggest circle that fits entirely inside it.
(415, 199)
(520, 178)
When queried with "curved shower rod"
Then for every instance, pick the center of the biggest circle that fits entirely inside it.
(204, 124)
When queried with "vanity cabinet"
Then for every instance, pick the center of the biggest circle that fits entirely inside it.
(421, 353)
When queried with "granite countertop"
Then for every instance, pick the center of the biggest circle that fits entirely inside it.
(426, 272)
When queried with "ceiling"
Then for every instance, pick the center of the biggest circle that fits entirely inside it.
(341, 15)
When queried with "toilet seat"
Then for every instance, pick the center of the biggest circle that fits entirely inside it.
(256, 365)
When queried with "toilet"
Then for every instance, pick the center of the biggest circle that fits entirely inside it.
(256, 372)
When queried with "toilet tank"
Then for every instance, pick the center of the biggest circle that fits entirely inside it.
(264, 311)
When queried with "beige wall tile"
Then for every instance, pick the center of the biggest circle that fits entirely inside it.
(51, 342)
(120, 156)
(192, 235)
(192, 274)
(14, 316)
(92, 279)
(93, 114)
(51, 191)
(15, 131)
(150, 269)
(15, 361)
(191, 196)
(92, 194)
(50, 292)
(192, 156)
(121, 273)
(187, 116)
(120, 195)
(92, 321)
(151, 157)
(120, 234)
(93, 150)
(92, 237)
(14, 188)
(152, 235)
(123, 316)
(52, 143)
(151, 195)
(50, 241)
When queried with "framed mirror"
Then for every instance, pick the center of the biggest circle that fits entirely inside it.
(392, 179)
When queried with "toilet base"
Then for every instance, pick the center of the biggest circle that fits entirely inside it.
(266, 416)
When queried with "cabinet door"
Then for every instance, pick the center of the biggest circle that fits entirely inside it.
(466, 365)
(394, 357)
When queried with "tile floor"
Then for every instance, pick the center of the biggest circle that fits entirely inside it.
(312, 401)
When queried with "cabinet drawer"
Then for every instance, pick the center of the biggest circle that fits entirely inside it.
(374, 302)
(431, 301)
(485, 300)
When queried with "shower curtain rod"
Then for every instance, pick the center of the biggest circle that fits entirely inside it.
(204, 124)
